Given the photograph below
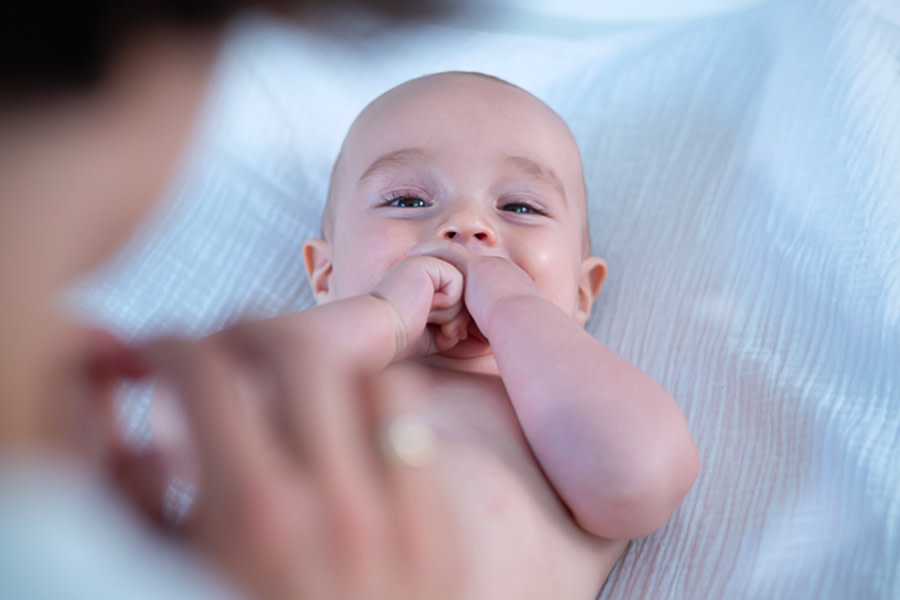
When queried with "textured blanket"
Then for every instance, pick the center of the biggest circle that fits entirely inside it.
(744, 179)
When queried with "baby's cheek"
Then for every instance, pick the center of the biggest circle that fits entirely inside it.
(362, 271)
(554, 277)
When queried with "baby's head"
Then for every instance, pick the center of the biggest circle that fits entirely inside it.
(465, 157)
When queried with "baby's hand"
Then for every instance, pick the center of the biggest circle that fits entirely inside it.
(426, 295)
(489, 280)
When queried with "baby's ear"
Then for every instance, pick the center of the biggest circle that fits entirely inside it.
(593, 272)
(317, 259)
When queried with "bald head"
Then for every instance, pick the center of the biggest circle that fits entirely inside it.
(426, 106)
(458, 158)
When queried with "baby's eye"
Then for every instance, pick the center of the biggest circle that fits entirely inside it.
(406, 202)
(522, 208)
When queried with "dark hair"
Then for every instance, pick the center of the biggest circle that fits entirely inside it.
(50, 45)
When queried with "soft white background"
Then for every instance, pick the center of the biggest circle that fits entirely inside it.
(743, 166)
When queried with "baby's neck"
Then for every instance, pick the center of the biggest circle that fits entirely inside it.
(483, 365)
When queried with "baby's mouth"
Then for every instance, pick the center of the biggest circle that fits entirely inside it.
(475, 333)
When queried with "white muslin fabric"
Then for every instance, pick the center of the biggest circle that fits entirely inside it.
(744, 180)
(66, 534)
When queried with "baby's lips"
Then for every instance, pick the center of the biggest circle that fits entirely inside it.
(440, 249)
(432, 247)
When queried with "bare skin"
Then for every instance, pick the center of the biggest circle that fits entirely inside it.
(454, 243)
(557, 451)
(78, 170)
(520, 540)
(109, 152)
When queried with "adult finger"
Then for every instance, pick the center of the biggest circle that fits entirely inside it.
(143, 476)
(422, 516)
(309, 391)
(324, 407)
(230, 448)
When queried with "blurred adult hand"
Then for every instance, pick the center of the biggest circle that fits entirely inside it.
(303, 499)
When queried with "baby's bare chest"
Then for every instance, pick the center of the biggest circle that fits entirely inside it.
(519, 539)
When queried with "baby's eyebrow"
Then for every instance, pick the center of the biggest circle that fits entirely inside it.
(538, 171)
(398, 158)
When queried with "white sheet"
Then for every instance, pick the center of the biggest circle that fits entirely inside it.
(744, 174)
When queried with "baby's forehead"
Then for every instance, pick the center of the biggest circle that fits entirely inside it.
(470, 109)
(464, 111)
(449, 95)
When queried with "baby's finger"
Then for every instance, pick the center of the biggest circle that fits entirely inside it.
(445, 315)
(448, 284)
(451, 252)
(450, 334)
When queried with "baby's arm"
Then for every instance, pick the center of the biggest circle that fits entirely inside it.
(415, 309)
(391, 323)
(612, 442)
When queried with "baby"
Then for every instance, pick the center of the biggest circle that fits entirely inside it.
(457, 219)
(455, 241)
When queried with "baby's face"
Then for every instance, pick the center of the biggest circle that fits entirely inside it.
(463, 158)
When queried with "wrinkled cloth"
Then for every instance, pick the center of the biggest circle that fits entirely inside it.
(65, 534)
(744, 181)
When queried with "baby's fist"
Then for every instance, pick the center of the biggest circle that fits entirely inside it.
(488, 279)
(426, 295)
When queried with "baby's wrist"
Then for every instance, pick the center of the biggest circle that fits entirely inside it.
(398, 326)
(492, 283)
(360, 331)
(516, 307)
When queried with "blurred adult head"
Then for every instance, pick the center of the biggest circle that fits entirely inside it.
(96, 98)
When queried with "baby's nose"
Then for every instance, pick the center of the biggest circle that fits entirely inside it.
(474, 233)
